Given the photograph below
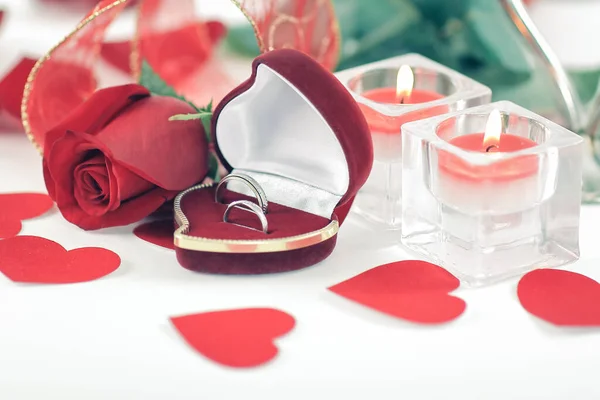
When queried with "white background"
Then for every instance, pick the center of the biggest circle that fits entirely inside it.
(111, 339)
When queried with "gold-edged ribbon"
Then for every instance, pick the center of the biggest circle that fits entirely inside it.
(178, 47)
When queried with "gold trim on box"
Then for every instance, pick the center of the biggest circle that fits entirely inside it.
(184, 241)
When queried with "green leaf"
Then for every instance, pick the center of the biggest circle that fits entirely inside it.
(208, 108)
(190, 117)
(154, 83)
(241, 40)
(207, 122)
(204, 114)
(157, 86)
(213, 170)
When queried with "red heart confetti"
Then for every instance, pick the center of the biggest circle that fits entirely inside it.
(11, 93)
(119, 53)
(239, 338)
(15, 207)
(416, 291)
(561, 297)
(32, 259)
(159, 233)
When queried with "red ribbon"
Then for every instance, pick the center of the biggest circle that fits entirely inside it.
(179, 47)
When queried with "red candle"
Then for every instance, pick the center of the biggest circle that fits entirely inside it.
(492, 141)
(389, 96)
(391, 124)
(403, 93)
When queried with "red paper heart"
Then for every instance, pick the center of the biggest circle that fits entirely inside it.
(159, 233)
(236, 338)
(32, 259)
(15, 207)
(11, 92)
(413, 290)
(561, 297)
(119, 53)
(9, 227)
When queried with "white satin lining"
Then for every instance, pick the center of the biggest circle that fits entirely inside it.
(273, 131)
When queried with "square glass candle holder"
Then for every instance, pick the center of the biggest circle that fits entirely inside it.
(436, 90)
(487, 216)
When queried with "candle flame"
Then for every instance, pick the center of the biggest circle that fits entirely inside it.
(405, 83)
(493, 130)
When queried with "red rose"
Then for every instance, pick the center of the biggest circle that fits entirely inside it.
(116, 158)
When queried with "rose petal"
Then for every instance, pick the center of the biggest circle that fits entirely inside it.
(124, 184)
(95, 183)
(97, 111)
(59, 166)
(130, 211)
(141, 149)
(141, 138)
(61, 162)
(48, 180)
(92, 184)
(129, 184)
(114, 200)
(91, 176)
(172, 155)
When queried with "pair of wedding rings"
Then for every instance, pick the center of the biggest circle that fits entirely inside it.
(260, 210)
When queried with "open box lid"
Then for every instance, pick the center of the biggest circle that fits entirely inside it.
(296, 129)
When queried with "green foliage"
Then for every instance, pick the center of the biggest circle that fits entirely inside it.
(587, 83)
(213, 168)
(474, 37)
(157, 86)
(242, 41)
(471, 36)
(204, 114)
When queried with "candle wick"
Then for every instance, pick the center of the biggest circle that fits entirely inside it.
(489, 148)
(402, 100)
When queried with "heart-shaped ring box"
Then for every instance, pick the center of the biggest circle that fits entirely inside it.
(295, 129)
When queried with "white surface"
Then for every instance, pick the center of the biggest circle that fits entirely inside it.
(111, 339)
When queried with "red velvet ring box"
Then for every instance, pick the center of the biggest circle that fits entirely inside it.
(295, 129)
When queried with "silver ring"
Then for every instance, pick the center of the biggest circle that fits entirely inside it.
(248, 206)
(259, 193)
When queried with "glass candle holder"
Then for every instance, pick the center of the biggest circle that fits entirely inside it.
(435, 90)
(487, 216)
